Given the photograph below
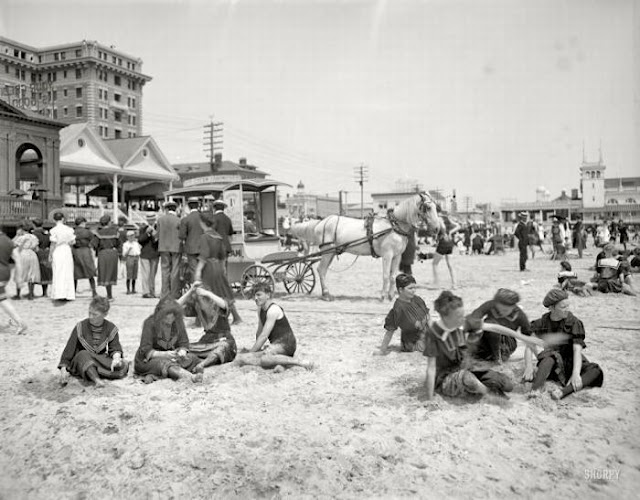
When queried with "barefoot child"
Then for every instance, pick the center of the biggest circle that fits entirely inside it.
(164, 345)
(273, 326)
(93, 351)
(449, 369)
(563, 363)
(217, 346)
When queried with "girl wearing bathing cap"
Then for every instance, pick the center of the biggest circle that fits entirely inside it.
(502, 310)
(409, 313)
(562, 363)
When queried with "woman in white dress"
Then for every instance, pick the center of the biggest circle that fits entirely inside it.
(62, 238)
(29, 274)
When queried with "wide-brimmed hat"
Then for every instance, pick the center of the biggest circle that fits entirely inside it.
(170, 205)
(523, 215)
(220, 202)
(193, 199)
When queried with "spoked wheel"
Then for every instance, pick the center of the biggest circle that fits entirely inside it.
(299, 278)
(253, 275)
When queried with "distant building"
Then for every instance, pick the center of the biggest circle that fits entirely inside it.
(302, 204)
(387, 200)
(602, 199)
(222, 171)
(75, 83)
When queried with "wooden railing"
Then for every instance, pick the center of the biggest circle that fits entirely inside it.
(15, 209)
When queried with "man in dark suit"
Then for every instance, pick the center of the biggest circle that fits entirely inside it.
(190, 232)
(225, 230)
(522, 233)
(168, 226)
(223, 223)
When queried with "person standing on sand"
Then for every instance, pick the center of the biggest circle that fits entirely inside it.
(409, 313)
(522, 233)
(444, 249)
(62, 238)
(93, 351)
(564, 363)
(8, 252)
(273, 326)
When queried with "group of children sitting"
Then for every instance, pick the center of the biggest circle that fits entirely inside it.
(612, 274)
(461, 349)
(93, 351)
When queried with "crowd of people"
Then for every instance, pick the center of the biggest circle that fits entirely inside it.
(463, 351)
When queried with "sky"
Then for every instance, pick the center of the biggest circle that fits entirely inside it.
(490, 98)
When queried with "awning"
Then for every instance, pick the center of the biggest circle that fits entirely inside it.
(247, 185)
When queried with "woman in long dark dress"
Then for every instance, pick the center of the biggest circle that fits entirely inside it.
(42, 252)
(107, 246)
(210, 269)
(84, 266)
(164, 346)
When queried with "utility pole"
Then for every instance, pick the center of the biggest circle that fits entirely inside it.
(212, 142)
(362, 176)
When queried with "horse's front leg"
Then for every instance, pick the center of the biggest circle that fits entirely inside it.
(387, 278)
(323, 267)
(393, 270)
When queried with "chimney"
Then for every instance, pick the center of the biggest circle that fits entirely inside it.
(242, 162)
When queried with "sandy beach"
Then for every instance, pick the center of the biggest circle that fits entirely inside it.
(354, 427)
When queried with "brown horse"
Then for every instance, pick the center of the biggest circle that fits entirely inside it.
(387, 238)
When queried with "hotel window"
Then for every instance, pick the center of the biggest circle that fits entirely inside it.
(6, 68)
(116, 97)
(64, 92)
(118, 134)
(106, 95)
(100, 129)
(117, 116)
(133, 85)
(33, 78)
(99, 93)
(119, 62)
(55, 95)
(106, 131)
(56, 56)
(65, 111)
(116, 80)
(55, 114)
(78, 111)
(64, 74)
(133, 102)
(78, 73)
(63, 55)
(79, 92)
(630, 201)
(113, 59)
(133, 120)
(16, 52)
(78, 52)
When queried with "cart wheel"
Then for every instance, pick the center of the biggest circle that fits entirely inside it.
(299, 278)
(253, 275)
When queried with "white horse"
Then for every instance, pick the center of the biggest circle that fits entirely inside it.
(304, 232)
(387, 238)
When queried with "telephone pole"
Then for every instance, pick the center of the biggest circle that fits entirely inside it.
(212, 142)
(362, 176)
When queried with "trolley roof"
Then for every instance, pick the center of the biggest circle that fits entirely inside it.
(248, 185)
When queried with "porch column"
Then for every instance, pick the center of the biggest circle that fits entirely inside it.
(114, 190)
(77, 194)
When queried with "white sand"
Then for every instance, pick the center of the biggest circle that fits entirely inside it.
(352, 428)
